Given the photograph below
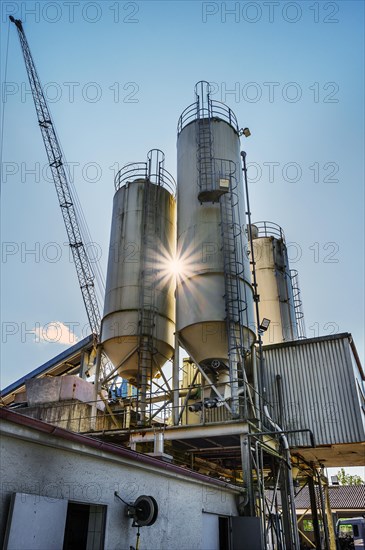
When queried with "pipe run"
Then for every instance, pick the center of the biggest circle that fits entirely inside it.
(294, 527)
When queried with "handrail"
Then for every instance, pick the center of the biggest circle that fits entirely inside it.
(139, 170)
(215, 109)
(268, 229)
(298, 304)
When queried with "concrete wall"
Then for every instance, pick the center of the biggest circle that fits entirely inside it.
(71, 415)
(54, 467)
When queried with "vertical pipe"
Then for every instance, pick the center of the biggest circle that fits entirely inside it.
(260, 388)
(255, 383)
(96, 389)
(280, 400)
(144, 352)
(287, 492)
(158, 445)
(175, 383)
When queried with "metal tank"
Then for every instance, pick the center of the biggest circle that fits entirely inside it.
(277, 285)
(139, 312)
(215, 318)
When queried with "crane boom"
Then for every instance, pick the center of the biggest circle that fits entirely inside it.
(83, 267)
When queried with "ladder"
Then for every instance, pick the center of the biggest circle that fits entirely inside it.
(235, 305)
(205, 158)
(204, 144)
(147, 309)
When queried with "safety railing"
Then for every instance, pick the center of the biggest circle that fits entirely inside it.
(212, 109)
(152, 170)
(267, 229)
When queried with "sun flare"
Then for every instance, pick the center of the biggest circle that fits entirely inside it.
(175, 266)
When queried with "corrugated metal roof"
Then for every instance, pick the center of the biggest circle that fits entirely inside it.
(49, 365)
(319, 387)
(343, 497)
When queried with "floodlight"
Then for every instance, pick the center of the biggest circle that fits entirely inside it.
(245, 132)
(264, 325)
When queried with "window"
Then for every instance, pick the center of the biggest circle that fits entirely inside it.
(84, 527)
(345, 530)
(37, 521)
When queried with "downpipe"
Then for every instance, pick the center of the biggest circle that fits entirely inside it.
(284, 441)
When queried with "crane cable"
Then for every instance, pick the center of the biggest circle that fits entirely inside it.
(84, 229)
(3, 107)
(86, 237)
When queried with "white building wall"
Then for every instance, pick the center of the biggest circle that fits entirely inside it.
(53, 467)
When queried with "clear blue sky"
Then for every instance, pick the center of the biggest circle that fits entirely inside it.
(118, 75)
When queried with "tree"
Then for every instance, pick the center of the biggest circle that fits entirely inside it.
(347, 479)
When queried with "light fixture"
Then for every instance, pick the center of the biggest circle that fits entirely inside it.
(245, 132)
(264, 325)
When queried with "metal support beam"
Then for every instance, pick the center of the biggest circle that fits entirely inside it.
(323, 511)
(96, 389)
(315, 516)
(160, 370)
(187, 397)
(285, 507)
(331, 530)
(247, 474)
(115, 369)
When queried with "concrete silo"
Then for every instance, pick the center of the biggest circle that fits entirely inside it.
(215, 318)
(139, 313)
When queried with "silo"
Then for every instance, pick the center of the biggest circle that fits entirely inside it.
(279, 302)
(139, 312)
(215, 319)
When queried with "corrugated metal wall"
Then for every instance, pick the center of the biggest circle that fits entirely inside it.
(319, 389)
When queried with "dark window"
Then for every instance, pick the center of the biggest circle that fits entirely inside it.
(223, 533)
(84, 527)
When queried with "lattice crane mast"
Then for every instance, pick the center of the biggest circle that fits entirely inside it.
(84, 270)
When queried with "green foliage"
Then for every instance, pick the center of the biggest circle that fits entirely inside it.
(347, 479)
(308, 525)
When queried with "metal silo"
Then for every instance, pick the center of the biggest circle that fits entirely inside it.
(277, 284)
(139, 313)
(215, 319)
